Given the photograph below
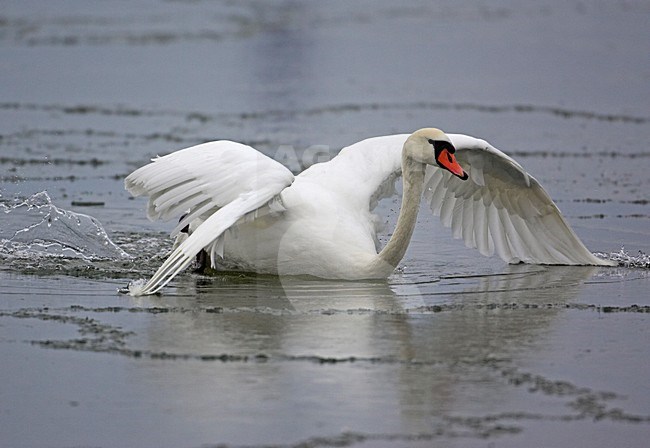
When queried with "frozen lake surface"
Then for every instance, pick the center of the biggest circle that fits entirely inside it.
(455, 349)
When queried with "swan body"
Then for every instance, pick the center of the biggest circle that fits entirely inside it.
(252, 214)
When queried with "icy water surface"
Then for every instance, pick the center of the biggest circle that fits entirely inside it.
(453, 350)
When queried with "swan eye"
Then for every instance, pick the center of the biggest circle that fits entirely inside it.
(440, 145)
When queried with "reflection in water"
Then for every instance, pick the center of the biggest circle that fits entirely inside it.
(464, 300)
(421, 358)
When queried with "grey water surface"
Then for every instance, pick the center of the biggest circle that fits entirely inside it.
(454, 350)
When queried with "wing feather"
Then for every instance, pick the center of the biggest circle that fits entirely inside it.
(501, 208)
(197, 210)
(482, 236)
(437, 191)
(468, 224)
(497, 231)
(447, 209)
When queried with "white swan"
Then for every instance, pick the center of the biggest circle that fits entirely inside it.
(250, 213)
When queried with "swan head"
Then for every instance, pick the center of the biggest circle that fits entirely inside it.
(431, 146)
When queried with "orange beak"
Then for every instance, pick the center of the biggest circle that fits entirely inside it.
(448, 161)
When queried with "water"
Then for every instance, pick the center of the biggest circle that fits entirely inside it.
(453, 350)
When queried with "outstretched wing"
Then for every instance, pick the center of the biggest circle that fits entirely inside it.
(501, 208)
(219, 182)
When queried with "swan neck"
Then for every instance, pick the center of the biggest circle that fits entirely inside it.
(413, 184)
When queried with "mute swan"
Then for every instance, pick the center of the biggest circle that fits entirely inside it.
(251, 214)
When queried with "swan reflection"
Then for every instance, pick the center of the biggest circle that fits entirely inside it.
(419, 354)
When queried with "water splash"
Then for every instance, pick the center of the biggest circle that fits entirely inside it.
(624, 259)
(134, 288)
(36, 227)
